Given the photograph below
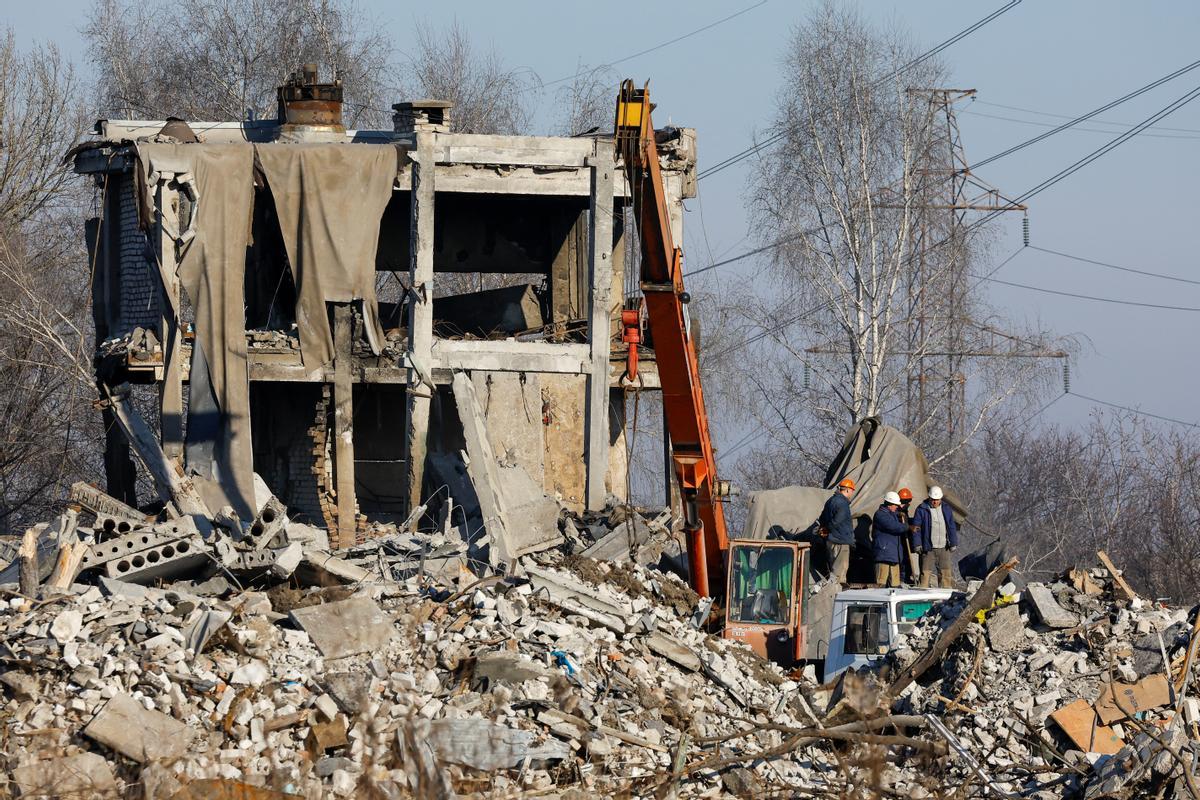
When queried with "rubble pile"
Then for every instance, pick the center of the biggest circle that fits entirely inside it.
(575, 673)
(1076, 688)
(181, 656)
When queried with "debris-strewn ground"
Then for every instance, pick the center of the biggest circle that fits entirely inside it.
(254, 662)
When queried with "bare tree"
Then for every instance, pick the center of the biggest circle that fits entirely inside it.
(841, 202)
(586, 103)
(39, 118)
(223, 59)
(488, 96)
(48, 429)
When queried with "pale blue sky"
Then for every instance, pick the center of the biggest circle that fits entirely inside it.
(1136, 207)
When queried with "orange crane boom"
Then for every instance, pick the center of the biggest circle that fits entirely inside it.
(678, 367)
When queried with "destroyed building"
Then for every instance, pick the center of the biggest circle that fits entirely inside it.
(241, 270)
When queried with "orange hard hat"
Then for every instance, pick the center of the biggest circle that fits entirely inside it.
(846, 483)
(905, 494)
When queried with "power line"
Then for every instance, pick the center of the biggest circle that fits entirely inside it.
(1139, 412)
(1112, 300)
(659, 46)
(1120, 139)
(1078, 127)
(1115, 266)
(770, 140)
(1069, 116)
(1084, 117)
(1107, 147)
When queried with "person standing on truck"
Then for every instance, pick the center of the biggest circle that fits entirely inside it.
(936, 538)
(910, 566)
(889, 532)
(838, 525)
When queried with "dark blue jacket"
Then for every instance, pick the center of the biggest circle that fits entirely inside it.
(835, 518)
(921, 538)
(889, 548)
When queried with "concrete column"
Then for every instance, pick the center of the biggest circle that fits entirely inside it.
(170, 394)
(600, 273)
(343, 424)
(420, 314)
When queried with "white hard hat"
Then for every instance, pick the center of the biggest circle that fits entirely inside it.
(891, 498)
(935, 493)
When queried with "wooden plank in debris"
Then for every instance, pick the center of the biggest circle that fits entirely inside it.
(1078, 720)
(1120, 700)
(1124, 587)
(28, 556)
(70, 559)
(553, 715)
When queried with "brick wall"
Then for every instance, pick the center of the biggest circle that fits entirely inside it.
(137, 275)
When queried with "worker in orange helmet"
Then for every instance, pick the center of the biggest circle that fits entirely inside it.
(910, 569)
(838, 525)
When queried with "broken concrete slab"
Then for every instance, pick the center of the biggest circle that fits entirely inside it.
(79, 775)
(1047, 608)
(518, 516)
(346, 627)
(126, 726)
(488, 746)
(508, 668)
(1005, 629)
(573, 595)
(329, 570)
(672, 650)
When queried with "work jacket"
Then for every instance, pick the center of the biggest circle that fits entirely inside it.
(835, 518)
(922, 539)
(889, 531)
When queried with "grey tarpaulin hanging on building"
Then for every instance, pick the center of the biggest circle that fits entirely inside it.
(329, 201)
(212, 272)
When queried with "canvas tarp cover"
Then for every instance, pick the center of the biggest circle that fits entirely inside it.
(877, 457)
(212, 272)
(329, 200)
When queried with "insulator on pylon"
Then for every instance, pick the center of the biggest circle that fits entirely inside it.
(1025, 229)
(1066, 377)
(807, 375)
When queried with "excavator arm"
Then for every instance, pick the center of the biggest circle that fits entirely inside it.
(675, 352)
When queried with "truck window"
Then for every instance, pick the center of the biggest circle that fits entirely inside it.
(910, 612)
(866, 629)
(762, 584)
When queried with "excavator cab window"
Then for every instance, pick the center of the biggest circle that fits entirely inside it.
(762, 584)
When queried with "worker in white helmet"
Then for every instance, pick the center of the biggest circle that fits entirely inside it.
(888, 533)
(936, 538)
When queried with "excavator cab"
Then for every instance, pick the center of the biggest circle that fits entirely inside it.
(765, 597)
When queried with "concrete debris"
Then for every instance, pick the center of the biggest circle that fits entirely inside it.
(345, 628)
(1058, 704)
(268, 665)
(136, 731)
(1047, 608)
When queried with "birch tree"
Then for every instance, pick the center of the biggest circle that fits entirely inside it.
(843, 200)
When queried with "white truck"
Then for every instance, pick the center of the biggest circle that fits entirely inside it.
(864, 624)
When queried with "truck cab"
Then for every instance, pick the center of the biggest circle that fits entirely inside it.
(865, 623)
(766, 597)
